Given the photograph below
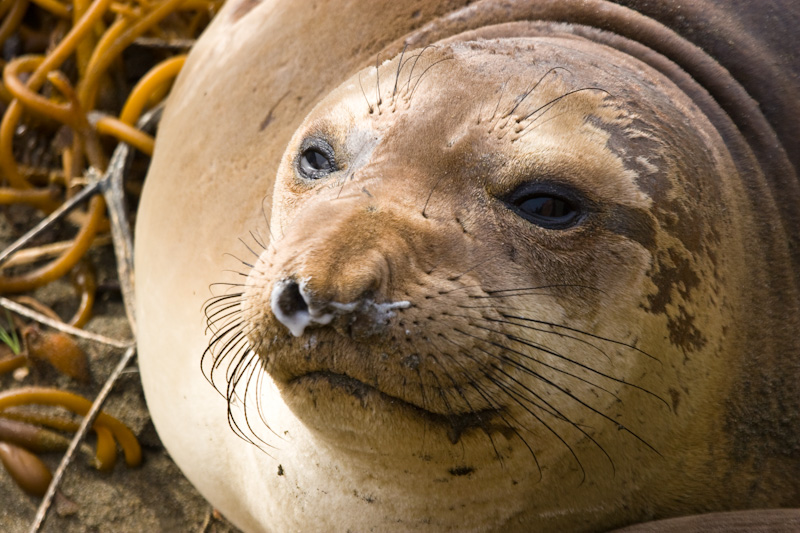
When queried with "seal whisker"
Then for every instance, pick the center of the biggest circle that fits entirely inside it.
(566, 391)
(453, 381)
(430, 194)
(533, 373)
(463, 396)
(488, 259)
(527, 93)
(246, 366)
(522, 400)
(379, 101)
(558, 99)
(344, 181)
(532, 328)
(369, 105)
(245, 263)
(494, 292)
(536, 124)
(454, 432)
(518, 397)
(233, 340)
(492, 403)
(266, 218)
(259, 373)
(233, 422)
(243, 274)
(216, 338)
(504, 417)
(482, 367)
(599, 337)
(221, 322)
(399, 67)
(600, 413)
(423, 398)
(515, 396)
(419, 79)
(235, 374)
(255, 361)
(219, 300)
(257, 255)
(262, 374)
(544, 349)
(441, 389)
(217, 317)
(231, 348)
(226, 284)
(222, 328)
(259, 240)
(494, 116)
(551, 367)
(235, 352)
(416, 58)
(550, 104)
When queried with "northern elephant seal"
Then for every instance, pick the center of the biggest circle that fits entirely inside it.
(539, 275)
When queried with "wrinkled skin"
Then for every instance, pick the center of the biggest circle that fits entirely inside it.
(466, 366)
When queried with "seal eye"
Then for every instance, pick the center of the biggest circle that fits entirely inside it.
(312, 161)
(545, 208)
(316, 160)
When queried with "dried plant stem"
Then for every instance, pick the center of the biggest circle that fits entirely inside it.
(88, 420)
(11, 305)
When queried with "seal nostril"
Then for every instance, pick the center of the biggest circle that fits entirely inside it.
(290, 301)
(290, 305)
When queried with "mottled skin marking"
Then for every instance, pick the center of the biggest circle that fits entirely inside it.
(679, 208)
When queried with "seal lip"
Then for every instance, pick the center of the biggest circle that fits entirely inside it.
(455, 423)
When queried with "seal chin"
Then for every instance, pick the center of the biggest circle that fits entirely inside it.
(333, 403)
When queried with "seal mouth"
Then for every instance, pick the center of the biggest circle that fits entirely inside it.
(454, 423)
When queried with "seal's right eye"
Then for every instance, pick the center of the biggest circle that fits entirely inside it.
(316, 160)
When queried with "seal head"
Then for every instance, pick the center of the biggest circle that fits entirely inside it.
(493, 267)
(534, 276)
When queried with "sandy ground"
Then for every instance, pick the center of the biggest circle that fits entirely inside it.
(152, 498)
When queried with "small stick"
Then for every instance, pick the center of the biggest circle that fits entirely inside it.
(88, 420)
(56, 215)
(114, 194)
(11, 305)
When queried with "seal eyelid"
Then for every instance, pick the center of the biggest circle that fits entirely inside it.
(545, 205)
(315, 159)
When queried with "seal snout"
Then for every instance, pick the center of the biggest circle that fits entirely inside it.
(348, 276)
(292, 305)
